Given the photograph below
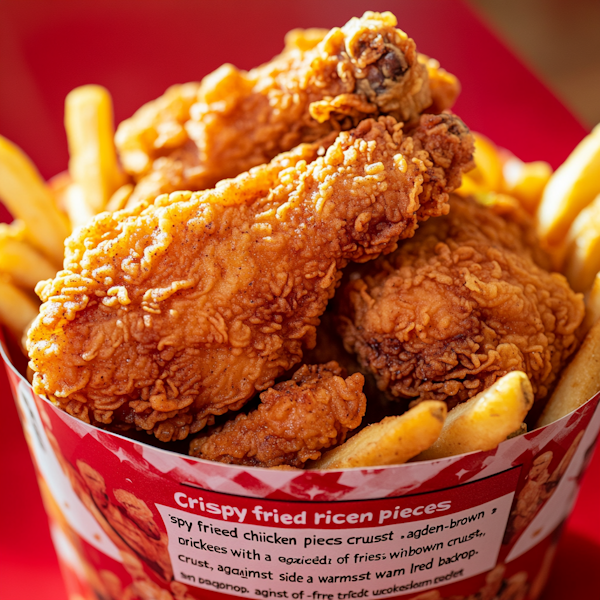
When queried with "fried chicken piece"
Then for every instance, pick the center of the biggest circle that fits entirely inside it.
(294, 422)
(329, 346)
(199, 133)
(166, 315)
(518, 233)
(459, 306)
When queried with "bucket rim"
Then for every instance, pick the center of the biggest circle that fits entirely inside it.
(4, 353)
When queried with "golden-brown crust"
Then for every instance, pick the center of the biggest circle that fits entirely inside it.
(295, 421)
(458, 306)
(167, 315)
(199, 133)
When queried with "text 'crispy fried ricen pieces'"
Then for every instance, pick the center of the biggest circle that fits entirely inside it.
(167, 315)
(294, 422)
(199, 133)
(459, 306)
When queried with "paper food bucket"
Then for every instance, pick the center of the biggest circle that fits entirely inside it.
(132, 521)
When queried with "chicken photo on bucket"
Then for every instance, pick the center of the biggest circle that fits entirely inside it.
(208, 240)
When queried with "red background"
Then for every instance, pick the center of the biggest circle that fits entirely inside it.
(136, 49)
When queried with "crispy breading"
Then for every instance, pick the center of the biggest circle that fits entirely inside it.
(199, 133)
(458, 306)
(166, 315)
(296, 419)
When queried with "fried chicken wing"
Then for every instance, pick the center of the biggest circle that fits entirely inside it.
(166, 315)
(295, 421)
(458, 306)
(199, 133)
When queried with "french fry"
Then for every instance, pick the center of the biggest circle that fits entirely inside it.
(392, 441)
(485, 420)
(570, 189)
(583, 247)
(17, 309)
(489, 165)
(526, 181)
(502, 203)
(28, 198)
(488, 170)
(579, 381)
(58, 186)
(25, 265)
(469, 187)
(77, 207)
(14, 231)
(71, 200)
(119, 199)
(592, 304)
(487, 174)
(522, 429)
(90, 132)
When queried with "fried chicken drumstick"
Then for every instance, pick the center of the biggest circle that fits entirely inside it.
(199, 133)
(294, 422)
(166, 315)
(459, 306)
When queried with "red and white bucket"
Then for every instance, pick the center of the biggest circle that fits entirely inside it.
(134, 522)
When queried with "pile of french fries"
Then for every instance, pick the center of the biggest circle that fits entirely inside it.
(32, 246)
(565, 204)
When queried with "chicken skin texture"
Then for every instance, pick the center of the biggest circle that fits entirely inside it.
(324, 81)
(294, 422)
(459, 306)
(166, 315)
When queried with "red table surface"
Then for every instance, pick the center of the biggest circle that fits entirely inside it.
(136, 49)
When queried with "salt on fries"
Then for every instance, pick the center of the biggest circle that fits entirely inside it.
(579, 381)
(392, 441)
(28, 198)
(93, 164)
(484, 421)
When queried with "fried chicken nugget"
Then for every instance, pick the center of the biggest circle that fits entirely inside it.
(459, 306)
(199, 133)
(295, 421)
(166, 315)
